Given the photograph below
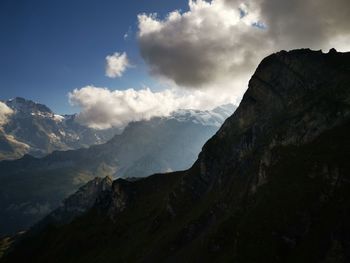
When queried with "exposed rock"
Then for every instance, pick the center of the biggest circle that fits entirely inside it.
(271, 186)
(34, 129)
(80, 202)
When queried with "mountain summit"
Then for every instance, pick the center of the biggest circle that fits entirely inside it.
(24, 106)
(34, 129)
(271, 186)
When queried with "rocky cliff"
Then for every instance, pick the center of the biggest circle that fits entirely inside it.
(79, 202)
(271, 186)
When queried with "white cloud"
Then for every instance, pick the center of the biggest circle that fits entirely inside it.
(211, 51)
(209, 45)
(219, 43)
(102, 108)
(116, 64)
(5, 112)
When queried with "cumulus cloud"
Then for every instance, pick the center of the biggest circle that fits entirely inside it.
(211, 51)
(116, 64)
(219, 43)
(5, 112)
(210, 43)
(102, 108)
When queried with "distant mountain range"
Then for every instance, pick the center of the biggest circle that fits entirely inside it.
(272, 185)
(34, 129)
(31, 187)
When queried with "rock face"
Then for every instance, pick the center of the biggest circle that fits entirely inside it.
(271, 186)
(31, 187)
(80, 202)
(34, 129)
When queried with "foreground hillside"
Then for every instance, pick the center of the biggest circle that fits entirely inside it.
(273, 185)
(31, 187)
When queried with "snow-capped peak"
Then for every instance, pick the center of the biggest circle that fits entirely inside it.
(24, 106)
(213, 117)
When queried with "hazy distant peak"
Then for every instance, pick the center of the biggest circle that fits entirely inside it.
(213, 117)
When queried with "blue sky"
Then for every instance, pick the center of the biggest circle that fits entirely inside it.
(200, 57)
(48, 48)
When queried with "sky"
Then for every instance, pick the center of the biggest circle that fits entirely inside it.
(48, 48)
(118, 61)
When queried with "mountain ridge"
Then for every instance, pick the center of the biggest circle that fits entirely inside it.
(271, 186)
(32, 187)
(35, 129)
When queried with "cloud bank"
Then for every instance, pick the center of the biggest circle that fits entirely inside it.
(102, 108)
(219, 43)
(5, 112)
(116, 64)
(210, 52)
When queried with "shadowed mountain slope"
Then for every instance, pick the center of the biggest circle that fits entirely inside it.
(32, 187)
(273, 184)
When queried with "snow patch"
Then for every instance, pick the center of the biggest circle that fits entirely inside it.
(58, 118)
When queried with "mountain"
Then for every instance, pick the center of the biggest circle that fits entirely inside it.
(34, 129)
(272, 185)
(79, 202)
(32, 187)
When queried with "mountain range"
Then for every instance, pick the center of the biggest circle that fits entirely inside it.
(34, 129)
(272, 185)
(32, 187)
